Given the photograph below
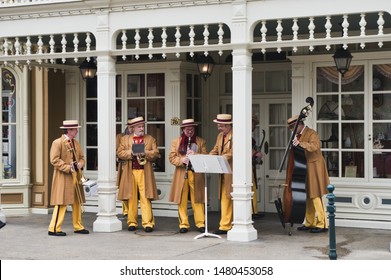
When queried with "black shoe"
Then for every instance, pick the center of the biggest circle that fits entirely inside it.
(59, 233)
(258, 216)
(82, 231)
(318, 230)
(302, 228)
(219, 231)
(2, 224)
(148, 229)
(131, 228)
(201, 229)
(183, 230)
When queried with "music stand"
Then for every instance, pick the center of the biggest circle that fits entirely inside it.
(209, 164)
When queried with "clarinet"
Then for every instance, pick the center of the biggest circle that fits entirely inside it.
(187, 166)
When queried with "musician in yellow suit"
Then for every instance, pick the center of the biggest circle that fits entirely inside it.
(67, 158)
(223, 147)
(317, 178)
(128, 130)
(138, 178)
(186, 182)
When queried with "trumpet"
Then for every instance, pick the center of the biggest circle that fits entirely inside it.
(78, 177)
(141, 159)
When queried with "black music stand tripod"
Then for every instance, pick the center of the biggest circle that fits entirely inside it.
(209, 164)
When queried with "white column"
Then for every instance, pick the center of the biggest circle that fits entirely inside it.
(107, 220)
(243, 229)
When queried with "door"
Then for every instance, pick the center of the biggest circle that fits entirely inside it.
(272, 114)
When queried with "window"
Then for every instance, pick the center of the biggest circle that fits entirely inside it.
(8, 124)
(341, 120)
(92, 124)
(145, 96)
(193, 100)
(381, 127)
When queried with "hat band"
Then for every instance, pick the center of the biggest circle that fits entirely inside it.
(70, 125)
(220, 120)
(141, 121)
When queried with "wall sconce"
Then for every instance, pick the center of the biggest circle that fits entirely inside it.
(205, 66)
(88, 69)
(342, 59)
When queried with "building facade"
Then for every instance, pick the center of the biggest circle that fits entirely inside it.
(269, 57)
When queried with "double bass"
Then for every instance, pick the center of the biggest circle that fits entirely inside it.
(291, 209)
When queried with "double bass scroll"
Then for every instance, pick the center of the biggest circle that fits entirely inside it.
(291, 209)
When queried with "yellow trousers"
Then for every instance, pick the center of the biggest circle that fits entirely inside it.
(226, 206)
(315, 214)
(59, 215)
(138, 184)
(125, 207)
(198, 208)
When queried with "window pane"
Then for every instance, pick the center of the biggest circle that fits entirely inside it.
(352, 106)
(135, 85)
(381, 77)
(381, 106)
(118, 110)
(92, 91)
(353, 135)
(197, 109)
(354, 79)
(326, 79)
(329, 134)
(328, 107)
(92, 135)
(189, 108)
(159, 164)
(157, 131)
(381, 165)
(92, 155)
(276, 81)
(155, 109)
(155, 84)
(197, 86)
(118, 85)
(9, 151)
(353, 164)
(136, 108)
(332, 163)
(92, 113)
(189, 85)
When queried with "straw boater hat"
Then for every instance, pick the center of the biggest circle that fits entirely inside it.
(188, 122)
(223, 119)
(293, 119)
(136, 121)
(69, 124)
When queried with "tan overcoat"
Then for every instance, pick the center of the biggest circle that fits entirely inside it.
(224, 149)
(317, 174)
(63, 190)
(124, 153)
(178, 181)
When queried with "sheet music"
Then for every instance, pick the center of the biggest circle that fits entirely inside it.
(210, 164)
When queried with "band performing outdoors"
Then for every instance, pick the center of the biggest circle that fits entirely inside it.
(136, 152)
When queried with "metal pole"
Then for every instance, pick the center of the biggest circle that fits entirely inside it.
(331, 210)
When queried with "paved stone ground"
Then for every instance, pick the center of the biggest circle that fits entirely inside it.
(26, 238)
